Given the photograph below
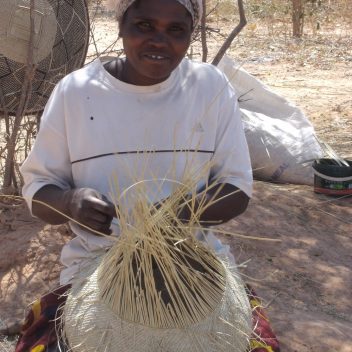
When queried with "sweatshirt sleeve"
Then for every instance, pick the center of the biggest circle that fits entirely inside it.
(49, 160)
(231, 160)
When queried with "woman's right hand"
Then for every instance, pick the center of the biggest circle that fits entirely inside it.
(85, 205)
(90, 208)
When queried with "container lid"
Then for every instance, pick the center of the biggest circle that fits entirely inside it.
(329, 167)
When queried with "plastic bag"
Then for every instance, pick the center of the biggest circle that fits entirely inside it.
(281, 140)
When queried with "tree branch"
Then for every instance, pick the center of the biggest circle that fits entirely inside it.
(203, 33)
(232, 35)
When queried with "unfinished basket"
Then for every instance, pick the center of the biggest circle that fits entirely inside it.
(157, 289)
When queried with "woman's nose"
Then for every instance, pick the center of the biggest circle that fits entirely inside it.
(158, 38)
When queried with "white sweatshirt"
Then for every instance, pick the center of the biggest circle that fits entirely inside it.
(96, 129)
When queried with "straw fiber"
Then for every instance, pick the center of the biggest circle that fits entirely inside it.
(90, 325)
(158, 288)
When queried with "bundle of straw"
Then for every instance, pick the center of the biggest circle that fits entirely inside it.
(158, 288)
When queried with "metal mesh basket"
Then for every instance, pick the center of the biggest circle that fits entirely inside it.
(61, 37)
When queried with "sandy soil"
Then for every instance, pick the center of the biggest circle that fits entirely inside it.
(305, 278)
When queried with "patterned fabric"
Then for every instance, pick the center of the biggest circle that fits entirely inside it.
(39, 329)
(39, 333)
(193, 6)
(263, 338)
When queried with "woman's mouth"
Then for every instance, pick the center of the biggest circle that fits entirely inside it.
(155, 57)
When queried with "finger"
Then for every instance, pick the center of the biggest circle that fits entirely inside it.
(106, 199)
(105, 229)
(98, 217)
(99, 226)
(104, 207)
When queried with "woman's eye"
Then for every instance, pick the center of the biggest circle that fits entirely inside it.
(176, 29)
(144, 25)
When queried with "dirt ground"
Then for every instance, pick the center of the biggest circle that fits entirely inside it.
(305, 278)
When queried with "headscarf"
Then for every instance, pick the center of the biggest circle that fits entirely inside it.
(194, 7)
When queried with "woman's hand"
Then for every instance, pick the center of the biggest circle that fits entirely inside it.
(85, 205)
(90, 208)
(217, 205)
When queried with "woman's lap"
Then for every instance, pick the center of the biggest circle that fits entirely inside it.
(39, 333)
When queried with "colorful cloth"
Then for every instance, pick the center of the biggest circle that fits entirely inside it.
(39, 331)
(263, 338)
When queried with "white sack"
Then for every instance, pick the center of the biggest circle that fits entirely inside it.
(282, 142)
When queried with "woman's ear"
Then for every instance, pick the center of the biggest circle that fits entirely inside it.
(120, 32)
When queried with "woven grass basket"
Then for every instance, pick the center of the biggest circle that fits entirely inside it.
(157, 289)
(90, 325)
(60, 44)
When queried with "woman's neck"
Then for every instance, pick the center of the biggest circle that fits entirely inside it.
(115, 68)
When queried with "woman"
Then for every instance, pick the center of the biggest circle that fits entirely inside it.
(150, 115)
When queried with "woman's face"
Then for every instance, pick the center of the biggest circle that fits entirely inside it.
(156, 35)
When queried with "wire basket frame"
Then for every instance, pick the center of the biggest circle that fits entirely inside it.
(67, 52)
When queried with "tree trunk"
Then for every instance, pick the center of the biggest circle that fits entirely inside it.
(297, 18)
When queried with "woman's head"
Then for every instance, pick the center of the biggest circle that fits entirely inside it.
(194, 7)
(156, 35)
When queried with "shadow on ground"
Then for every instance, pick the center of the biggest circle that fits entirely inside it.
(305, 280)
